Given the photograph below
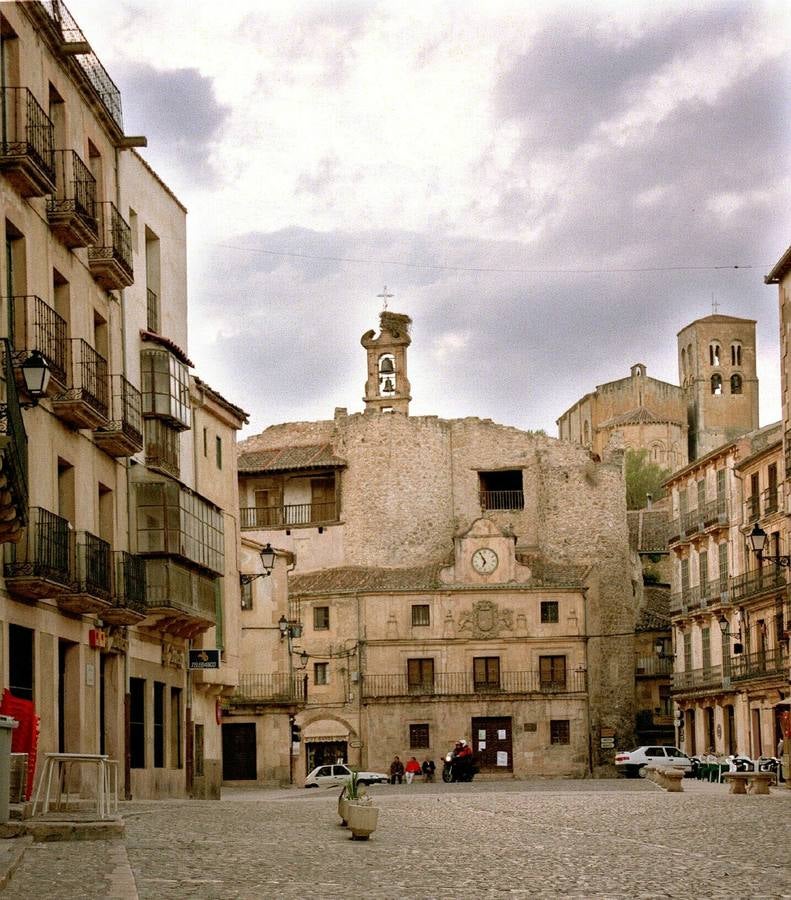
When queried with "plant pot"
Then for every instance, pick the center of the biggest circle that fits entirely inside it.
(362, 820)
(343, 810)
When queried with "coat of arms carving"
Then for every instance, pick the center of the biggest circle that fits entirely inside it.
(486, 620)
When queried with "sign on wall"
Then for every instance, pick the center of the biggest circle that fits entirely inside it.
(204, 659)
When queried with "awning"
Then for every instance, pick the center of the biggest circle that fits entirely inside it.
(325, 730)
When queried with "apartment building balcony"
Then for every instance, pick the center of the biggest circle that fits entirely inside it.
(71, 210)
(752, 509)
(770, 500)
(501, 500)
(35, 326)
(39, 565)
(685, 601)
(129, 590)
(110, 258)
(455, 684)
(653, 667)
(84, 402)
(263, 517)
(179, 600)
(13, 455)
(711, 515)
(123, 434)
(268, 689)
(26, 143)
(759, 665)
(753, 584)
(92, 576)
(708, 678)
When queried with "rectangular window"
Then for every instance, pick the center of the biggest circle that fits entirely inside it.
(246, 590)
(722, 560)
(701, 486)
(218, 451)
(159, 725)
(321, 618)
(685, 575)
(549, 612)
(205, 441)
(137, 722)
(552, 672)
(420, 674)
(162, 446)
(703, 574)
(418, 737)
(687, 638)
(486, 673)
(175, 728)
(705, 645)
(320, 673)
(421, 614)
(165, 387)
(501, 489)
(559, 731)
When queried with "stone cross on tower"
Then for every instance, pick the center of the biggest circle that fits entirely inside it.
(387, 386)
(384, 296)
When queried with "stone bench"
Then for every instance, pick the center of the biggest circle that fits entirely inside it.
(669, 778)
(757, 782)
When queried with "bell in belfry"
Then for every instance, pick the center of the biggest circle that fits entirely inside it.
(388, 386)
(386, 367)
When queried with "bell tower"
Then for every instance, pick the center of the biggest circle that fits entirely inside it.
(387, 386)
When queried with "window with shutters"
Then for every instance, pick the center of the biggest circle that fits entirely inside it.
(420, 674)
(552, 672)
(486, 673)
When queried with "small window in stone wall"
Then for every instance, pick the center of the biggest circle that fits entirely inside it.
(321, 673)
(421, 614)
(418, 736)
(321, 618)
(549, 612)
(246, 589)
(559, 731)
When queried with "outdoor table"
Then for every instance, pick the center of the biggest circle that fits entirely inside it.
(64, 763)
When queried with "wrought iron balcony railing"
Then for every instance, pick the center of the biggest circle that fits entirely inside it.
(92, 571)
(505, 500)
(685, 600)
(760, 664)
(651, 666)
(34, 325)
(85, 400)
(752, 509)
(771, 500)
(269, 688)
(110, 259)
(129, 589)
(463, 683)
(40, 563)
(715, 512)
(123, 434)
(698, 679)
(71, 210)
(253, 517)
(26, 142)
(13, 440)
(759, 581)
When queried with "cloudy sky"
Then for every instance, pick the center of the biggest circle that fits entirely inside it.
(550, 190)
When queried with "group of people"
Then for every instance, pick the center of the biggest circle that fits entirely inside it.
(400, 772)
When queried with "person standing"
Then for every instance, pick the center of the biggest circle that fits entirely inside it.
(412, 769)
(428, 769)
(396, 771)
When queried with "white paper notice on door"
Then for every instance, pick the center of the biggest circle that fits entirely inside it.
(501, 736)
(502, 758)
(481, 745)
(481, 734)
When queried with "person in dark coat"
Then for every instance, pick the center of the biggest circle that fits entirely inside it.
(396, 771)
(428, 768)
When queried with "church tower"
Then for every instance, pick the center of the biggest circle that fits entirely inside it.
(387, 387)
(717, 372)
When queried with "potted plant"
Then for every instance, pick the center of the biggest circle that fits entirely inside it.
(361, 815)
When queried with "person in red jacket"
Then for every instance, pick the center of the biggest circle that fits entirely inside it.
(412, 768)
(462, 761)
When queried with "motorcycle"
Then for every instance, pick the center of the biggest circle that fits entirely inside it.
(455, 769)
(770, 764)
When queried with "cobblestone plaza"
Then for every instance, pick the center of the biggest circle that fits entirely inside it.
(538, 838)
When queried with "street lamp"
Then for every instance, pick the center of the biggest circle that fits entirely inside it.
(659, 649)
(36, 374)
(268, 563)
(757, 541)
(725, 628)
(288, 628)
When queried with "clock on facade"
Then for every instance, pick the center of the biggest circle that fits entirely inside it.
(484, 561)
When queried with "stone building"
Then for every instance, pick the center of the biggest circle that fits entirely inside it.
(731, 650)
(120, 529)
(716, 401)
(450, 578)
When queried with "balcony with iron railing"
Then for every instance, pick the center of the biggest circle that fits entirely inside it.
(501, 500)
(123, 434)
(39, 565)
(35, 326)
(752, 584)
(770, 663)
(752, 509)
(263, 517)
(653, 666)
(178, 599)
(71, 210)
(268, 689)
(685, 600)
(110, 258)
(13, 454)
(129, 590)
(771, 500)
(26, 143)
(709, 515)
(707, 678)
(84, 402)
(92, 575)
(450, 684)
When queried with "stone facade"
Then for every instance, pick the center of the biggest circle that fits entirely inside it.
(390, 604)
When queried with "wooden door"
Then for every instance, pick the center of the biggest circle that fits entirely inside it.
(492, 743)
(238, 752)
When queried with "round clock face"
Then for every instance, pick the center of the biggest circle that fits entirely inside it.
(484, 561)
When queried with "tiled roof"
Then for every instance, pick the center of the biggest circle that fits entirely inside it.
(640, 415)
(313, 456)
(655, 613)
(648, 529)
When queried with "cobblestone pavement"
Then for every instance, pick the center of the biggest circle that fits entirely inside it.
(538, 839)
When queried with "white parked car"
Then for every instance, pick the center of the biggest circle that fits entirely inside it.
(338, 774)
(633, 762)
